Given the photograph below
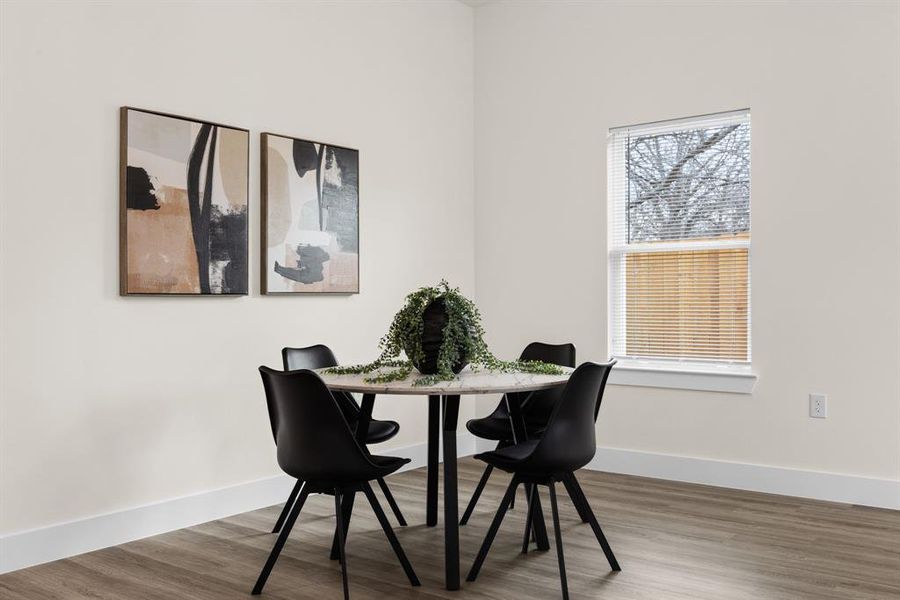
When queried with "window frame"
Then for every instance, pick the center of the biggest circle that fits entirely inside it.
(669, 372)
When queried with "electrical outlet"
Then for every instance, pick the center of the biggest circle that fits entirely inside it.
(818, 406)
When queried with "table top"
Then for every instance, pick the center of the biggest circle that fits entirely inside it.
(467, 382)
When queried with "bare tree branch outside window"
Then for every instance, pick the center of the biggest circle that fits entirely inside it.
(688, 184)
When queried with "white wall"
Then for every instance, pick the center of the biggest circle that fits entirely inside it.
(823, 84)
(109, 403)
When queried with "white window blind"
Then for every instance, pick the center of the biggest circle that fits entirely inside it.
(679, 239)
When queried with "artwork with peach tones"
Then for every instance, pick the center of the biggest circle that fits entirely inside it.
(184, 206)
(310, 217)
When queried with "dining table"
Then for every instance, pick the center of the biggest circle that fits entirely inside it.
(443, 415)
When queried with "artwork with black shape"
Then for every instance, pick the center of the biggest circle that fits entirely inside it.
(310, 220)
(184, 206)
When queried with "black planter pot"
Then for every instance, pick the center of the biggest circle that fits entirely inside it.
(434, 318)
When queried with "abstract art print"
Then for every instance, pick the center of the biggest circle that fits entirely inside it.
(184, 188)
(310, 217)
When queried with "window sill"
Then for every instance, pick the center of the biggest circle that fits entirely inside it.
(707, 378)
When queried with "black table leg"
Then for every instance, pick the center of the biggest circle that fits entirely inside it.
(362, 432)
(365, 417)
(434, 433)
(517, 421)
(451, 509)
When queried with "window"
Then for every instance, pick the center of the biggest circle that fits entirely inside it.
(679, 244)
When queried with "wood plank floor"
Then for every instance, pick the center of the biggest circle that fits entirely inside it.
(673, 540)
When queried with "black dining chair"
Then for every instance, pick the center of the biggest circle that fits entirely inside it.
(536, 411)
(316, 445)
(319, 357)
(567, 444)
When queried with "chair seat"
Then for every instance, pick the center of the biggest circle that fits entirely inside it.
(388, 464)
(510, 458)
(382, 466)
(379, 431)
(498, 428)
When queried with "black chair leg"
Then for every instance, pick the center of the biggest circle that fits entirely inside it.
(346, 512)
(526, 538)
(391, 502)
(559, 544)
(476, 495)
(492, 531)
(607, 550)
(279, 543)
(577, 497)
(389, 533)
(287, 506)
(340, 533)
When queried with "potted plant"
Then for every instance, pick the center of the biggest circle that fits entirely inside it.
(439, 331)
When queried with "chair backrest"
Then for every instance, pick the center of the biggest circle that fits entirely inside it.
(606, 373)
(310, 357)
(313, 438)
(569, 442)
(540, 404)
(319, 357)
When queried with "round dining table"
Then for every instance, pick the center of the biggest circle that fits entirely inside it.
(443, 413)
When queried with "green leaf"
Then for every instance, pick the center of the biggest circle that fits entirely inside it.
(463, 330)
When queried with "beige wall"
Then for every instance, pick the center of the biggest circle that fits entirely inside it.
(823, 84)
(110, 403)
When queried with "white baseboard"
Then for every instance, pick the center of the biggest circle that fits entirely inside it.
(818, 485)
(834, 487)
(28, 548)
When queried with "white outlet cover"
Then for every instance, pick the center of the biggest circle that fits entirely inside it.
(818, 406)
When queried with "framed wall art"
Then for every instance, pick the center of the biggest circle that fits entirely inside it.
(184, 195)
(310, 216)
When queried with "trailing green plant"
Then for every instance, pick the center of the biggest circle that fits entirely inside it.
(463, 338)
